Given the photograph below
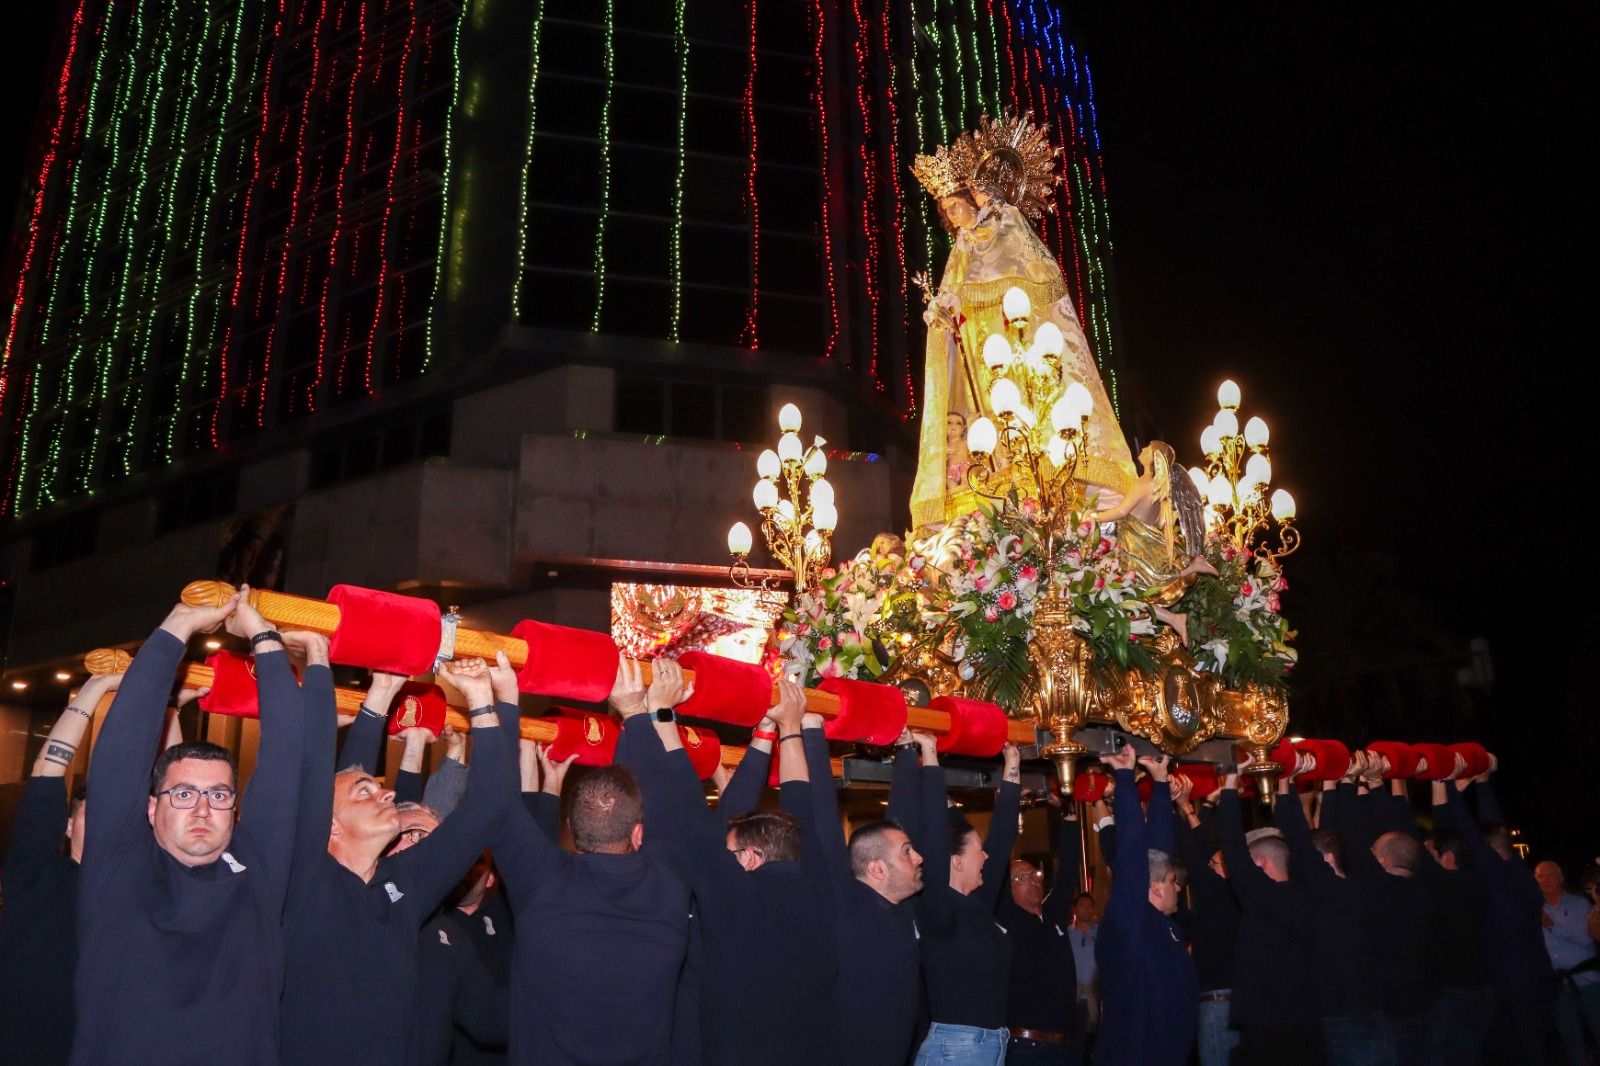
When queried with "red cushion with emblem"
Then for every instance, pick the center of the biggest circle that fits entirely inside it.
(418, 704)
(703, 748)
(591, 737)
(233, 686)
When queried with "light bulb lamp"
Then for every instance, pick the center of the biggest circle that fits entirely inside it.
(1240, 508)
(796, 503)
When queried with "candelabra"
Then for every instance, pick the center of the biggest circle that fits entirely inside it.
(1235, 480)
(1015, 449)
(796, 502)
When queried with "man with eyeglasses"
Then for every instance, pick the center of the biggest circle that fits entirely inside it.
(178, 914)
(355, 908)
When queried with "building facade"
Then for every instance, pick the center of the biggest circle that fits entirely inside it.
(481, 301)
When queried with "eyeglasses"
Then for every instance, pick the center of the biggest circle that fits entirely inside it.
(184, 797)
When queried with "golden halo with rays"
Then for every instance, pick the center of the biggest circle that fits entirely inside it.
(1013, 161)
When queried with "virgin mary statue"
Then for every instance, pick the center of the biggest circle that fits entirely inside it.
(992, 185)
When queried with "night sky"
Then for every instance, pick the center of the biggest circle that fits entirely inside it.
(1377, 220)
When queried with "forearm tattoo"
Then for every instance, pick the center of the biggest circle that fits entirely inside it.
(59, 752)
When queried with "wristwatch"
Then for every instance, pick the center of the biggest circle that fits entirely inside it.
(665, 714)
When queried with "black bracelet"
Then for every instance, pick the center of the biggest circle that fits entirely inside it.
(790, 736)
(266, 634)
(481, 711)
(376, 714)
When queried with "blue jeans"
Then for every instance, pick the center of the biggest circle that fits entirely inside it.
(1577, 1009)
(1456, 1025)
(1216, 1041)
(963, 1045)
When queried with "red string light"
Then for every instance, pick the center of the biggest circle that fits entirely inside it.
(339, 204)
(41, 183)
(389, 197)
(869, 189)
(898, 219)
(828, 192)
(751, 335)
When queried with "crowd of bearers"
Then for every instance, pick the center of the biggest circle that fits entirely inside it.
(324, 918)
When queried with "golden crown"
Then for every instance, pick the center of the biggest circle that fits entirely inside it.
(937, 174)
(1009, 159)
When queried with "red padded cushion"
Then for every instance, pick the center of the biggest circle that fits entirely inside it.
(1477, 758)
(868, 712)
(575, 664)
(1402, 757)
(233, 686)
(591, 737)
(703, 748)
(1440, 761)
(976, 727)
(418, 704)
(384, 630)
(726, 690)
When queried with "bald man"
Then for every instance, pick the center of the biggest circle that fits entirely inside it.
(1572, 953)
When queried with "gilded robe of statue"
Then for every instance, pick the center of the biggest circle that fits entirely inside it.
(999, 251)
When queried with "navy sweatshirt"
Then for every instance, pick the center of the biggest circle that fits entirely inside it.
(876, 996)
(463, 987)
(1147, 981)
(181, 964)
(1273, 984)
(767, 962)
(1214, 927)
(1513, 946)
(39, 937)
(600, 938)
(966, 954)
(1394, 912)
(352, 944)
(1333, 911)
(1044, 975)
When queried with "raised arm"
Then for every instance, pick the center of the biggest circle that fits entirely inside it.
(363, 741)
(116, 823)
(1002, 835)
(435, 865)
(905, 792)
(66, 736)
(268, 814)
(1159, 833)
(1069, 863)
(448, 783)
(408, 779)
(932, 836)
(825, 803)
(749, 780)
(1130, 867)
(1249, 881)
(314, 804)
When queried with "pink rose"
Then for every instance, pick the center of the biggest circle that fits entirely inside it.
(981, 583)
(1084, 528)
(1129, 578)
(831, 668)
(825, 643)
(1229, 554)
(1246, 589)
(1007, 601)
(802, 629)
(1272, 603)
(991, 615)
(828, 573)
(1030, 573)
(1030, 506)
(1103, 547)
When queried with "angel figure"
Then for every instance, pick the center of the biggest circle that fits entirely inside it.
(1161, 530)
(992, 186)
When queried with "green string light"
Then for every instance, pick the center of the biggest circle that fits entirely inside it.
(680, 42)
(444, 192)
(90, 132)
(605, 167)
(527, 166)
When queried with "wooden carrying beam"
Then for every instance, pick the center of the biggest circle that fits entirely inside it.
(302, 612)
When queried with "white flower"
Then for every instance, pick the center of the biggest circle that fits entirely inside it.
(1218, 648)
(861, 610)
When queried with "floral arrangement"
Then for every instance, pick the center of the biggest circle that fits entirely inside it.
(1235, 627)
(996, 569)
(850, 625)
